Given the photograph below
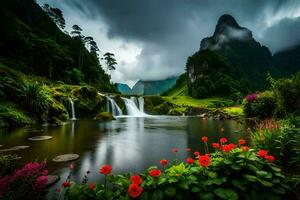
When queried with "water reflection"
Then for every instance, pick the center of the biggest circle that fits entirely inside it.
(128, 144)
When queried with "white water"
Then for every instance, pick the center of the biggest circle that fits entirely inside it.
(141, 104)
(132, 109)
(72, 109)
(115, 109)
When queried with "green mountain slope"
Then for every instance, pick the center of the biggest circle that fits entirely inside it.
(32, 43)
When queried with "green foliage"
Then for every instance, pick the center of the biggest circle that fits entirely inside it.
(35, 97)
(7, 164)
(234, 175)
(12, 116)
(287, 94)
(179, 89)
(262, 107)
(31, 42)
(283, 142)
(210, 75)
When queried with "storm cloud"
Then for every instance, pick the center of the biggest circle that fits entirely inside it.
(152, 39)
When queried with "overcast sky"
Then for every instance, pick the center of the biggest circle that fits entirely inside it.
(153, 38)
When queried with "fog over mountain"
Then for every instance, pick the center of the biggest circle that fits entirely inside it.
(152, 39)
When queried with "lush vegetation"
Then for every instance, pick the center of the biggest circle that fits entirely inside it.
(281, 100)
(230, 172)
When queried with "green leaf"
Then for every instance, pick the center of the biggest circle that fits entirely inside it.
(265, 183)
(235, 167)
(226, 194)
(250, 178)
(206, 196)
(238, 184)
(170, 192)
(228, 162)
(212, 174)
(275, 169)
(161, 180)
(195, 189)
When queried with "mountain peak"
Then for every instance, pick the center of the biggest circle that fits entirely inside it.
(227, 30)
(228, 20)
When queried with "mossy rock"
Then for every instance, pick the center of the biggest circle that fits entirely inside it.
(104, 116)
(57, 112)
(87, 101)
(66, 158)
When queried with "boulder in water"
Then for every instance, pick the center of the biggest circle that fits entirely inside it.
(52, 179)
(66, 158)
(104, 116)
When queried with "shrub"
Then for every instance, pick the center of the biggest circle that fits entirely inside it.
(261, 105)
(26, 183)
(11, 116)
(7, 164)
(231, 172)
(35, 97)
(287, 93)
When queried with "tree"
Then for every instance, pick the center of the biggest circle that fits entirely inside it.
(110, 61)
(77, 32)
(56, 15)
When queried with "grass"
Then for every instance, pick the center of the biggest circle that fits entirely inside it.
(234, 111)
(187, 101)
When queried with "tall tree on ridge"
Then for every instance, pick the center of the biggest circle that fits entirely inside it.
(110, 61)
(56, 15)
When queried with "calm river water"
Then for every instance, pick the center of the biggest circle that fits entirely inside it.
(128, 144)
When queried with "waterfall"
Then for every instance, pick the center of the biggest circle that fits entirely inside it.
(132, 109)
(115, 109)
(141, 104)
(134, 100)
(72, 109)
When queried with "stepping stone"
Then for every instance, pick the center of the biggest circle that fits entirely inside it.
(41, 137)
(14, 148)
(66, 158)
(52, 179)
(1, 145)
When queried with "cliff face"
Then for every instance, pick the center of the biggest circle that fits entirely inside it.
(230, 59)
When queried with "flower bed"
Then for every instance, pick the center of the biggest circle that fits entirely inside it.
(232, 171)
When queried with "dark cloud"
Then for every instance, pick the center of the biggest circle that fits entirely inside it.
(168, 31)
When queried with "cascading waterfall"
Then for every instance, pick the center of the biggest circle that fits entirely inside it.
(135, 101)
(132, 109)
(141, 104)
(115, 109)
(72, 109)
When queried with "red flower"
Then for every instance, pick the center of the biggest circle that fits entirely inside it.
(164, 162)
(136, 179)
(134, 190)
(196, 153)
(204, 161)
(45, 172)
(242, 141)
(190, 161)
(92, 186)
(204, 139)
(105, 169)
(216, 145)
(187, 149)
(232, 146)
(175, 150)
(66, 184)
(155, 172)
(226, 148)
(270, 158)
(223, 140)
(245, 148)
(262, 153)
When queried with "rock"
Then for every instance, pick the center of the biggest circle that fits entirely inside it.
(34, 130)
(104, 116)
(14, 148)
(66, 158)
(41, 137)
(52, 179)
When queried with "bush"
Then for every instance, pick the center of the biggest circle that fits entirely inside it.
(229, 173)
(26, 183)
(262, 105)
(11, 116)
(35, 97)
(287, 93)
